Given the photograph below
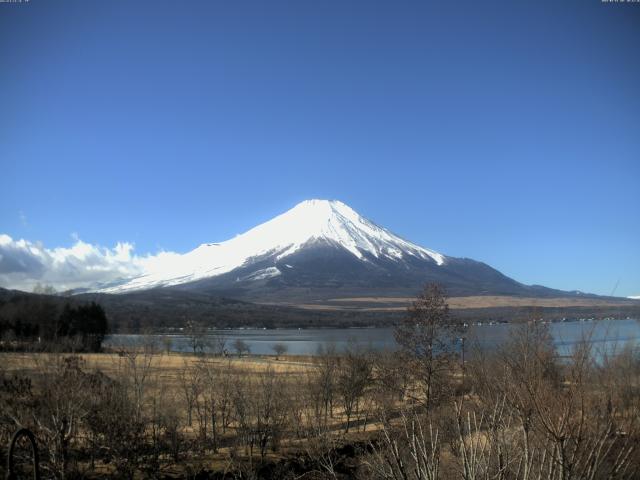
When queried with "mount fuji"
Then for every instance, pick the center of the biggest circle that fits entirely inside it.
(318, 250)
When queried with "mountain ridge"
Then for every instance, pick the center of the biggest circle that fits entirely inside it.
(321, 249)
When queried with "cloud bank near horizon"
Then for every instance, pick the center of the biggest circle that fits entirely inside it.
(25, 264)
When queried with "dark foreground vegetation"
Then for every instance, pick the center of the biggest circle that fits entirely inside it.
(41, 322)
(517, 412)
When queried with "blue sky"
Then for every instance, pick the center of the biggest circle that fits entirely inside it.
(507, 132)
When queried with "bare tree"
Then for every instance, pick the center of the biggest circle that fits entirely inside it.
(115, 431)
(261, 411)
(321, 447)
(189, 381)
(279, 349)
(271, 410)
(392, 376)
(136, 365)
(44, 289)
(354, 376)
(408, 450)
(540, 418)
(167, 343)
(241, 347)
(196, 333)
(219, 342)
(322, 382)
(428, 340)
(213, 401)
(62, 408)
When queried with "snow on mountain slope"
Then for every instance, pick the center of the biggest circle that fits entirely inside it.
(307, 223)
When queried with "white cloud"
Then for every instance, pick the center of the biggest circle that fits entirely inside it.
(23, 264)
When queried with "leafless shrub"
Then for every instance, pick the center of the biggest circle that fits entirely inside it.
(354, 375)
(260, 411)
(241, 347)
(62, 406)
(407, 450)
(279, 349)
(321, 383)
(189, 381)
(320, 448)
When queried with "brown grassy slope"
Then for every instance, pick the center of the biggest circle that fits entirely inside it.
(400, 303)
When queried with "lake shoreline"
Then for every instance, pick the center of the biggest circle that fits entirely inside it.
(306, 341)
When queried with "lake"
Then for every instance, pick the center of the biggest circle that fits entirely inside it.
(605, 335)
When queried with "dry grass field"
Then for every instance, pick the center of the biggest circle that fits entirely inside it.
(168, 366)
(455, 303)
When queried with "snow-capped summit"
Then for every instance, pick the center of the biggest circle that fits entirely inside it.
(331, 221)
(310, 224)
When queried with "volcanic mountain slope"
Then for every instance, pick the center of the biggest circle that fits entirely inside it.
(318, 250)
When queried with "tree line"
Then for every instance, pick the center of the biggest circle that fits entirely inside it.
(40, 322)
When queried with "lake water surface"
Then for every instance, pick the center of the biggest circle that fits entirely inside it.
(605, 335)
